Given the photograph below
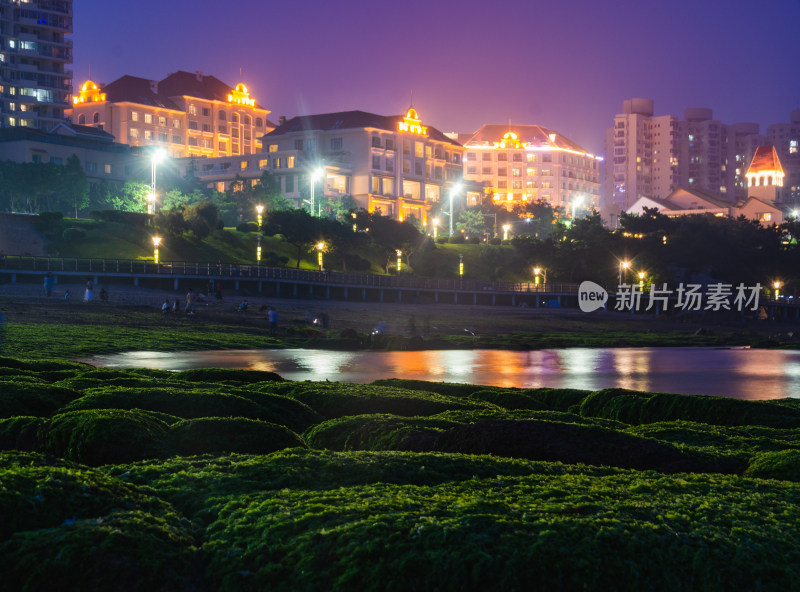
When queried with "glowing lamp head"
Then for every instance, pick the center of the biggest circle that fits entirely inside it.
(776, 285)
(317, 173)
(260, 210)
(625, 264)
(456, 188)
(537, 270)
(156, 241)
(436, 221)
(320, 246)
(641, 275)
(159, 154)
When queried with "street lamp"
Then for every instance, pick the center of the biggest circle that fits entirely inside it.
(320, 247)
(259, 217)
(461, 265)
(315, 174)
(641, 279)
(159, 154)
(777, 285)
(506, 228)
(156, 242)
(435, 227)
(623, 265)
(453, 190)
(537, 271)
(399, 259)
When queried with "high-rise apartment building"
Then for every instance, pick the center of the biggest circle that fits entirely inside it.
(525, 163)
(785, 137)
(35, 83)
(651, 156)
(188, 114)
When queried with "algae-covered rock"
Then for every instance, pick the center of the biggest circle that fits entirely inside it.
(232, 434)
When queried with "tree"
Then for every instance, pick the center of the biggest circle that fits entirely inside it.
(201, 219)
(389, 235)
(75, 187)
(297, 227)
(131, 197)
(471, 222)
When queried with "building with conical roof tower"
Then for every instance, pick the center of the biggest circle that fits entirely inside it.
(765, 175)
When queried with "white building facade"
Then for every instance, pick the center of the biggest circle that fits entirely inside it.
(527, 163)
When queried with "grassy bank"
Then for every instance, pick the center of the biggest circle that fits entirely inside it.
(44, 328)
(239, 480)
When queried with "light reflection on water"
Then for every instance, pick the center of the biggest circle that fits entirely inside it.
(741, 373)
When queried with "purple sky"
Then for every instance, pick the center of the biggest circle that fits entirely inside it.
(566, 65)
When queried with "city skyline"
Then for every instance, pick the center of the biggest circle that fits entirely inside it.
(567, 67)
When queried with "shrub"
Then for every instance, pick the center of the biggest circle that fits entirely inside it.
(457, 239)
(232, 434)
(107, 436)
(247, 227)
(74, 235)
(128, 218)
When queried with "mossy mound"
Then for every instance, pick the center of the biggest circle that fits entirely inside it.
(226, 375)
(43, 492)
(22, 433)
(507, 399)
(451, 389)
(340, 399)
(107, 436)
(24, 398)
(636, 407)
(572, 443)
(186, 404)
(619, 532)
(377, 432)
(44, 364)
(283, 410)
(783, 465)
(232, 434)
(125, 551)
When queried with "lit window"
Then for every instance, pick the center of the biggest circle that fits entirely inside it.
(134, 116)
(133, 132)
(162, 121)
(192, 110)
(176, 123)
(107, 169)
(148, 118)
(290, 162)
(273, 148)
(243, 165)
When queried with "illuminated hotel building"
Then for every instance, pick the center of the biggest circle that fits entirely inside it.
(34, 53)
(189, 114)
(395, 164)
(525, 163)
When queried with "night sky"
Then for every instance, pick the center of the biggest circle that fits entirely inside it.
(566, 65)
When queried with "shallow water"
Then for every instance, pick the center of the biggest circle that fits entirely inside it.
(733, 372)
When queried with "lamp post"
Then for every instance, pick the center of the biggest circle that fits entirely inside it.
(320, 247)
(777, 285)
(453, 190)
(623, 265)
(642, 275)
(537, 271)
(315, 174)
(259, 212)
(158, 155)
(461, 265)
(506, 228)
(399, 259)
(156, 242)
(435, 227)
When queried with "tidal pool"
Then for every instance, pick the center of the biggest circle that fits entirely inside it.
(742, 373)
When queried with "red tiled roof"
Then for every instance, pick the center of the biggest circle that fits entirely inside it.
(765, 159)
(140, 90)
(536, 135)
(350, 120)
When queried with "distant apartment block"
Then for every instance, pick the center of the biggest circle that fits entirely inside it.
(35, 83)
(785, 137)
(526, 163)
(188, 114)
(652, 156)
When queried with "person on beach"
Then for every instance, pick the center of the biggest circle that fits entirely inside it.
(166, 307)
(67, 296)
(272, 317)
(49, 282)
(191, 298)
(176, 306)
(88, 295)
(243, 305)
